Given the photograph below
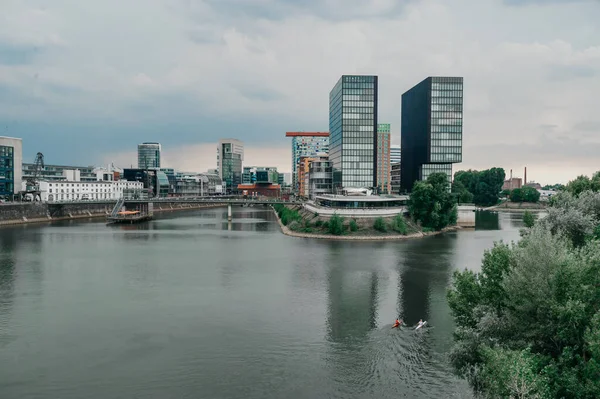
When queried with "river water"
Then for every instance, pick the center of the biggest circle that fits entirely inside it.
(190, 306)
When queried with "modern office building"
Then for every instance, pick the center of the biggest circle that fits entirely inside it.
(155, 181)
(11, 158)
(395, 154)
(149, 155)
(395, 177)
(230, 156)
(306, 144)
(61, 172)
(383, 158)
(353, 132)
(319, 177)
(260, 174)
(432, 121)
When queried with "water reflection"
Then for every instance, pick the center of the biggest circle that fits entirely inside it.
(486, 220)
(352, 294)
(423, 265)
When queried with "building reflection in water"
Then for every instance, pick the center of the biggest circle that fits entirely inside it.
(424, 272)
(352, 293)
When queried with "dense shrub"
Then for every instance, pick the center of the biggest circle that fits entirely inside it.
(336, 225)
(399, 225)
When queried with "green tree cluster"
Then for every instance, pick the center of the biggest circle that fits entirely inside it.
(528, 219)
(484, 186)
(525, 194)
(287, 215)
(528, 325)
(431, 203)
(584, 183)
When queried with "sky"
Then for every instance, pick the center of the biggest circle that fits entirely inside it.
(85, 81)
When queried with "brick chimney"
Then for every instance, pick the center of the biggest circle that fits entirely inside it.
(525, 182)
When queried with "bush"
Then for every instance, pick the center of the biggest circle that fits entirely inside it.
(528, 219)
(399, 224)
(295, 226)
(380, 225)
(528, 324)
(318, 223)
(336, 225)
(525, 194)
(353, 225)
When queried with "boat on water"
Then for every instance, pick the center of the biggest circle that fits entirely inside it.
(128, 217)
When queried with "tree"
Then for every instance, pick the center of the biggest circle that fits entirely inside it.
(583, 183)
(485, 185)
(431, 203)
(462, 195)
(336, 225)
(528, 325)
(380, 225)
(528, 219)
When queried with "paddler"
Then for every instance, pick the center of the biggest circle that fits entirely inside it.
(397, 323)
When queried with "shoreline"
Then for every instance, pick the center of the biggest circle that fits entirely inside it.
(27, 221)
(392, 237)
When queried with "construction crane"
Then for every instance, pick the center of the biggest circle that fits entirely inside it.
(32, 186)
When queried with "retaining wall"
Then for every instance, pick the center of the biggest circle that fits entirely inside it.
(36, 212)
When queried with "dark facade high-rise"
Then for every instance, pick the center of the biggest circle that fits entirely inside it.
(353, 132)
(431, 129)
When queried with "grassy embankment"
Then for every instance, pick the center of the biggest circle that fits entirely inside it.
(297, 219)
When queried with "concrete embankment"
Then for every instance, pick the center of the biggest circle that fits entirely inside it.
(36, 212)
(391, 237)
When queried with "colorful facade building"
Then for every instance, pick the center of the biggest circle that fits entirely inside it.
(306, 144)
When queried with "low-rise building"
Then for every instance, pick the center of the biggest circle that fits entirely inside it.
(260, 174)
(52, 191)
(512, 183)
(198, 184)
(60, 172)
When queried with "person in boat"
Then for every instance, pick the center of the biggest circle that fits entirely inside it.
(397, 323)
(421, 323)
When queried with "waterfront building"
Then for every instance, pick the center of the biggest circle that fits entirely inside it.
(260, 190)
(383, 158)
(352, 129)
(303, 176)
(11, 158)
(320, 179)
(260, 174)
(306, 144)
(230, 156)
(61, 172)
(285, 179)
(395, 154)
(395, 178)
(155, 181)
(149, 155)
(198, 184)
(432, 122)
(108, 173)
(358, 203)
(65, 190)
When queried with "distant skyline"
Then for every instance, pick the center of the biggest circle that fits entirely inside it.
(188, 73)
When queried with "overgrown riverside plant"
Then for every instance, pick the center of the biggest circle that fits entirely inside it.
(336, 225)
(399, 224)
(528, 219)
(380, 225)
(528, 324)
(431, 203)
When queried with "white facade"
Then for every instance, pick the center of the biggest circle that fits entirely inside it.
(53, 191)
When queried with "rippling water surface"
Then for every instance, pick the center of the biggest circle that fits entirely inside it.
(190, 306)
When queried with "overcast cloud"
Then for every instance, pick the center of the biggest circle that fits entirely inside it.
(84, 82)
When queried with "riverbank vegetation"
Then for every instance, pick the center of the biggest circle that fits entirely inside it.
(528, 324)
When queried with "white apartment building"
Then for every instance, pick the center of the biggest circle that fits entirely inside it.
(52, 191)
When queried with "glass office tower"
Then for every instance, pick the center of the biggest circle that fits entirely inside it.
(353, 132)
(230, 155)
(432, 121)
(149, 155)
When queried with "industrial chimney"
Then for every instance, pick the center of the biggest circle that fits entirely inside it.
(511, 175)
(525, 182)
